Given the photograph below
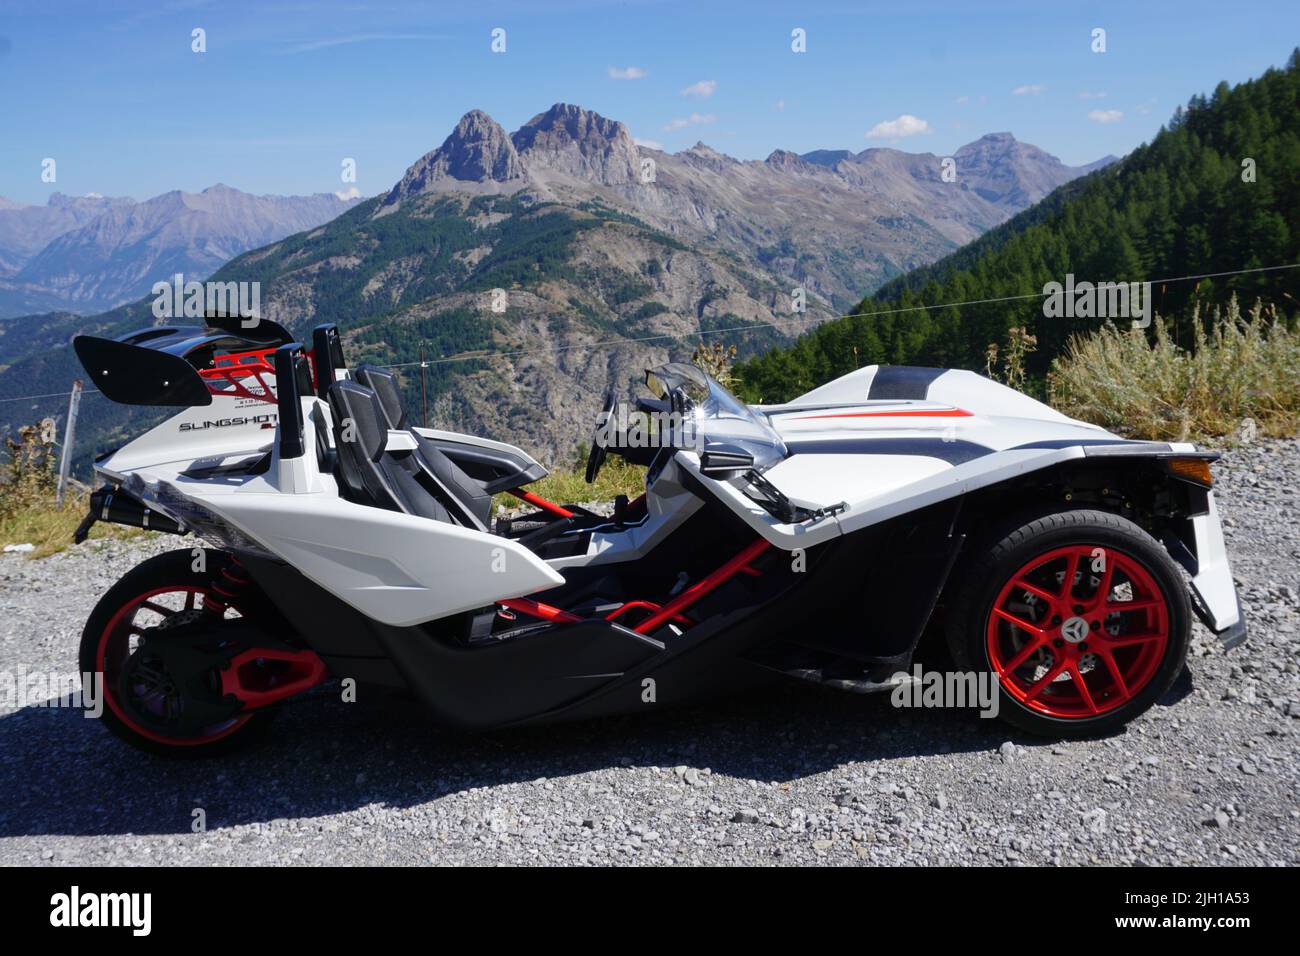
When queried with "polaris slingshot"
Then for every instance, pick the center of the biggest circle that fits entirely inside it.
(816, 540)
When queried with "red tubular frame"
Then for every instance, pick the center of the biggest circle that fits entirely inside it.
(644, 605)
(538, 501)
(672, 611)
(537, 609)
(225, 378)
(737, 565)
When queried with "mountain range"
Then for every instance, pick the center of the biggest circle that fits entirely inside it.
(837, 223)
(92, 253)
(607, 255)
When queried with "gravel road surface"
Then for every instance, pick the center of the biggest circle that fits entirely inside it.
(803, 775)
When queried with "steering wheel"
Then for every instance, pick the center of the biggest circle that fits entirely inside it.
(596, 458)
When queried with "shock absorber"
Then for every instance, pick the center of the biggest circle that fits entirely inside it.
(227, 587)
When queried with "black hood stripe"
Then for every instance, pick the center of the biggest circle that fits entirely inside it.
(903, 381)
(953, 452)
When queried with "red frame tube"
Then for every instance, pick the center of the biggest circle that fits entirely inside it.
(546, 612)
(738, 564)
(540, 502)
(644, 605)
(672, 611)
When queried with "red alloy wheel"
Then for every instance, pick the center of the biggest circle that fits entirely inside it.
(115, 646)
(1078, 631)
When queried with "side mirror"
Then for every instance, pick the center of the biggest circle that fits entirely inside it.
(721, 460)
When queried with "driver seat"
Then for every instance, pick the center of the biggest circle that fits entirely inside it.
(444, 472)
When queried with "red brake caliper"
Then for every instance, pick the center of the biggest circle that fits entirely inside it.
(1091, 614)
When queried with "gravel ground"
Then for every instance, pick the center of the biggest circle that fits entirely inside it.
(800, 776)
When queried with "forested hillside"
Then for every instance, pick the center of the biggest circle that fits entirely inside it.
(1217, 190)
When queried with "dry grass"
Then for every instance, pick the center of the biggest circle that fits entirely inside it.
(1241, 377)
(569, 486)
(28, 478)
(50, 529)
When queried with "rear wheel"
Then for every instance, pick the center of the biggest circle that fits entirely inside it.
(1080, 615)
(146, 701)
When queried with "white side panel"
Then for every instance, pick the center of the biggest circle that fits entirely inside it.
(784, 536)
(1213, 578)
(868, 509)
(226, 428)
(815, 481)
(396, 568)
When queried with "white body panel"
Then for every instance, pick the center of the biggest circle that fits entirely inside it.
(396, 568)
(1213, 577)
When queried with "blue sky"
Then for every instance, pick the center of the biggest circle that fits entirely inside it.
(286, 91)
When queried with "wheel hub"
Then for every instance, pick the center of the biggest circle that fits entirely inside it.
(1075, 630)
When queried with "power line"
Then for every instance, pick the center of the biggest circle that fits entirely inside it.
(766, 325)
(613, 343)
(26, 398)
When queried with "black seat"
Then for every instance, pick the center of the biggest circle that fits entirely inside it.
(399, 480)
(470, 493)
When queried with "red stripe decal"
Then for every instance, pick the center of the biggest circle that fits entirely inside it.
(943, 413)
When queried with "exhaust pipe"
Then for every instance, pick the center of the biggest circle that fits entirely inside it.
(118, 507)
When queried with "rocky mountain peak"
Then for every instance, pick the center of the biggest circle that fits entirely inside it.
(790, 162)
(827, 157)
(703, 156)
(576, 142)
(478, 151)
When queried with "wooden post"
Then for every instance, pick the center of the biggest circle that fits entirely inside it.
(69, 437)
(424, 398)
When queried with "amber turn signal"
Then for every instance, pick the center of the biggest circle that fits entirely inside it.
(1192, 469)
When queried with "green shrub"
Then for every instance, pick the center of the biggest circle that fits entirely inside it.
(1240, 376)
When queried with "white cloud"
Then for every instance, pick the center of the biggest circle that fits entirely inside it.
(905, 125)
(1029, 89)
(962, 100)
(648, 143)
(352, 192)
(1105, 116)
(308, 46)
(627, 73)
(780, 104)
(1090, 95)
(701, 90)
(695, 119)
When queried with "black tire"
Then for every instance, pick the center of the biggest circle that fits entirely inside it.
(1003, 554)
(173, 569)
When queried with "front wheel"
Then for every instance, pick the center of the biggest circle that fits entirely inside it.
(1080, 615)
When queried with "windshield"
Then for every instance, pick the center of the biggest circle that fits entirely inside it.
(717, 415)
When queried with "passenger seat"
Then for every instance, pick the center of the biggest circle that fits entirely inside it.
(446, 471)
(402, 480)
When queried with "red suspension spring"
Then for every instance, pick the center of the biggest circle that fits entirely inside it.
(226, 588)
